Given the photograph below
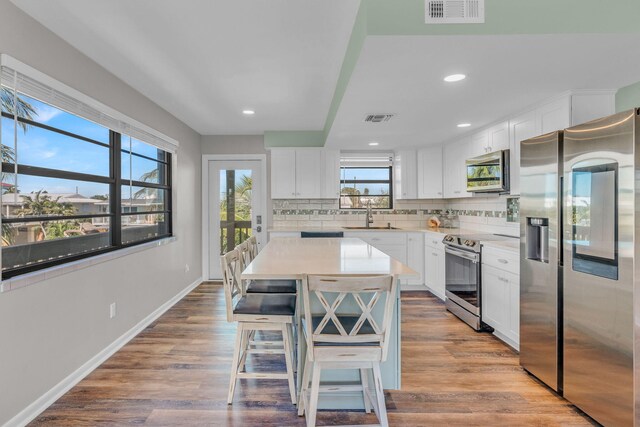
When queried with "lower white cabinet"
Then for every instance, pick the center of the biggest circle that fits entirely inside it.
(434, 277)
(391, 243)
(501, 301)
(415, 257)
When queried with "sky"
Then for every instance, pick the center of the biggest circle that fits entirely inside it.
(43, 148)
(366, 174)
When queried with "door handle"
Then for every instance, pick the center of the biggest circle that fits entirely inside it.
(259, 229)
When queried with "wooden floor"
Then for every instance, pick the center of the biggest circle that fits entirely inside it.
(176, 372)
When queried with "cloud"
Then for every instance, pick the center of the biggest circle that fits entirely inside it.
(46, 113)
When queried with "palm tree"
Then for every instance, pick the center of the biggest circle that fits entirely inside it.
(20, 107)
(43, 205)
(16, 106)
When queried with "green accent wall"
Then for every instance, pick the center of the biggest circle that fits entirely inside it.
(293, 138)
(356, 41)
(406, 18)
(628, 97)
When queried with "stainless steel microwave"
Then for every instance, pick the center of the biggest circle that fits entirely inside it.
(488, 173)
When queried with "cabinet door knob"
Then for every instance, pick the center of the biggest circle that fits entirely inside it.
(503, 261)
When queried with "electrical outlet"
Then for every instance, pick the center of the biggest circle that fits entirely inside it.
(112, 310)
(186, 268)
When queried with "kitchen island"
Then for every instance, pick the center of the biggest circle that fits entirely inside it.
(293, 257)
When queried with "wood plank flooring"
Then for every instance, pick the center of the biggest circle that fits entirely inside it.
(176, 372)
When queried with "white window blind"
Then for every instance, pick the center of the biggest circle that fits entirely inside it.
(366, 159)
(24, 79)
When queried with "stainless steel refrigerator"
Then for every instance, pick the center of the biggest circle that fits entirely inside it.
(579, 210)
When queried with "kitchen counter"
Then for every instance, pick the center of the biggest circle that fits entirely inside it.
(512, 245)
(296, 229)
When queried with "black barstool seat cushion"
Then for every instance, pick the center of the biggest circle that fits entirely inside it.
(276, 286)
(267, 305)
(347, 321)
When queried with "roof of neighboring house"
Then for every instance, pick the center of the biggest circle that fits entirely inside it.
(74, 198)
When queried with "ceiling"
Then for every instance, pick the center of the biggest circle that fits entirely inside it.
(505, 74)
(205, 61)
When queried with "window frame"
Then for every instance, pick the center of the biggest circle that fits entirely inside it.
(367, 181)
(115, 183)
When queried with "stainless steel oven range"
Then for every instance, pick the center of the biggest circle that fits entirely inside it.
(463, 284)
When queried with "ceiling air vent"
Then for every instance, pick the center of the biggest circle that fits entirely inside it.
(378, 118)
(454, 11)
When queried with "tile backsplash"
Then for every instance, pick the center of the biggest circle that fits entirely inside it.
(485, 214)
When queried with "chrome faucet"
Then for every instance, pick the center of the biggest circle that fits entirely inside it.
(369, 214)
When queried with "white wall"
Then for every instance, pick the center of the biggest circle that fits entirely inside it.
(49, 329)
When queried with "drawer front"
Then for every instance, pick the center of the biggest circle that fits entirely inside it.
(503, 260)
(382, 238)
(434, 240)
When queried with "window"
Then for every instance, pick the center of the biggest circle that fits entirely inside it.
(73, 188)
(361, 185)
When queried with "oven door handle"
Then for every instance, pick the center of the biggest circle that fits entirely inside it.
(473, 257)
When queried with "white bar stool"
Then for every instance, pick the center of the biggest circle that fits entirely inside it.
(257, 312)
(339, 340)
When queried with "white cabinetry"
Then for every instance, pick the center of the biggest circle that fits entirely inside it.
(392, 243)
(331, 174)
(489, 140)
(300, 173)
(478, 144)
(283, 174)
(554, 116)
(434, 276)
(521, 128)
(430, 173)
(415, 256)
(308, 173)
(499, 137)
(406, 175)
(455, 174)
(501, 294)
(561, 113)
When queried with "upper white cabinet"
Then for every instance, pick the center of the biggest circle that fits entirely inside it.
(455, 174)
(479, 144)
(283, 174)
(520, 128)
(561, 113)
(308, 173)
(296, 173)
(331, 174)
(430, 173)
(489, 140)
(498, 137)
(405, 167)
(554, 116)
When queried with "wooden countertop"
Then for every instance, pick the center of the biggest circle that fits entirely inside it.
(293, 257)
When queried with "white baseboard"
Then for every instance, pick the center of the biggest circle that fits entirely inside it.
(29, 413)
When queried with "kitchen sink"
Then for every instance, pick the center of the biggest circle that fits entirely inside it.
(370, 228)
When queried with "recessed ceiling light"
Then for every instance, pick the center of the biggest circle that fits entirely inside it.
(464, 125)
(454, 78)
(373, 143)
(248, 112)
